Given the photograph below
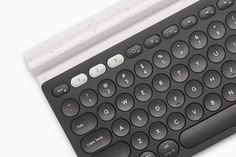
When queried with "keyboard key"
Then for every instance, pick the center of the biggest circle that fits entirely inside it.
(125, 78)
(139, 118)
(216, 54)
(175, 98)
(106, 112)
(180, 49)
(157, 108)
(179, 73)
(224, 4)
(148, 154)
(152, 41)
(139, 140)
(198, 40)
(60, 90)
(207, 12)
(107, 88)
(212, 79)
(198, 63)
(168, 148)
(158, 131)
(70, 108)
(121, 127)
(97, 70)
(143, 92)
(134, 51)
(161, 59)
(229, 92)
(231, 20)
(176, 121)
(209, 128)
(216, 30)
(189, 22)
(194, 89)
(143, 69)
(79, 80)
(231, 44)
(194, 112)
(161, 82)
(120, 149)
(88, 98)
(229, 69)
(212, 102)
(96, 141)
(125, 102)
(170, 32)
(115, 61)
(84, 123)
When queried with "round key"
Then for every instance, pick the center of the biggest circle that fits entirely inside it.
(176, 121)
(139, 140)
(194, 112)
(231, 20)
(158, 131)
(231, 44)
(175, 98)
(212, 79)
(212, 102)
(121, 127)
(70, 108)
(125, 78)
(180, 49)
(125, 102)
(216, 30)
(197, 63)
(216, 54)
(106, 112)
(161, 59)
(229, 69)
(161, 82)
(168, 148)
(107, 88)
(88, 98)
(148, 154)
(143, 92)
(139, 118)
(194, 89)
(157, 108)
(84, 123)
(198, 40)
(179, 73)
(229, 92)
(143, 69)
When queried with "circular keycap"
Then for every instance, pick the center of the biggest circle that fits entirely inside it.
(158, 131)
(161, 82)
(157, 108)
(231, 20)
(139, 118)
(125, 102)
(70, 108)
(216, 30)
(198, 40)
(143, 92)
(88, 98)
(212, 79)
(121, 127)
(176, 121)
(175, 98)
(212, 102)
(148, 154)
(231, 44)
(139, 140)
(161, 59)
(143, 69)
(194, 89)
(229, 92)
(180, 49)
(229, 69)
(194, 112)
(179, 73)
(107, 88)
(216, 54)
(106, 112)
(125, 78)
(197, 63)
(168, 148)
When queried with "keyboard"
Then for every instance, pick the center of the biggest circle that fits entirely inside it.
(168, 91)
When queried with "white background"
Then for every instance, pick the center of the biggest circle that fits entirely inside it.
(28, 126)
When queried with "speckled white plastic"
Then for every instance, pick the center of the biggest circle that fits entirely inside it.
(96, 34)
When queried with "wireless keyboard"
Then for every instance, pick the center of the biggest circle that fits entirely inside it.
(167, 91)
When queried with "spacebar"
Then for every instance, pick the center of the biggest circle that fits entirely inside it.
(209, 128)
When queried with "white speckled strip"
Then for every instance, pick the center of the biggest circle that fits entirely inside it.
(98, 33)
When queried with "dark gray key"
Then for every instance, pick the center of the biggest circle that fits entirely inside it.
(125, 78)
(170, 31)
(152, 41)
(161, 82)
(212, 79)
(60, 90)
(120, 149)
(189, 22)
(198, 63)
(161, 59)
(224, 4)
(70, 108)
(143, 92)
(229, 69)
(216, 54)
(168, 148)
(229, 92)
(231, 20)
(194, 89)
(194, 111)
(175, 98)
(207, 12)
(88, 98)
(198, 40)
(216, 30)
(179, 73)
(209, 128)
(134, 51)
(143, 69)
(212, 102)
(231, 44)
(180, 49)
(158, 131)
(148, 154)
(106, 112)
(157, 108)
(120, 127)
(139, 140)
(176, 121)
(107, 88)
(125, 102)
(139, 118)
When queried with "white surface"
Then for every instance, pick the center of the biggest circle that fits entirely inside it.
(28, 126)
